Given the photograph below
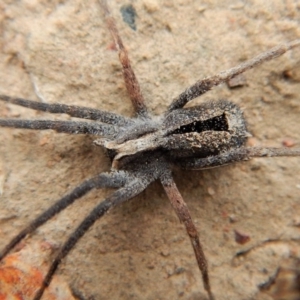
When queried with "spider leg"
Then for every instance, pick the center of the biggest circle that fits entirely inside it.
(235, 155)
(131, 81)
(184, 216)
(71, 110)
(127, 192)
(72, 127)
(113, 180)
(204, 85)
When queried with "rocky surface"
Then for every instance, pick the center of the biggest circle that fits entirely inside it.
(61, 51)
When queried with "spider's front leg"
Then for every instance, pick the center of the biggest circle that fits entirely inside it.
(104, 123)
(71, 127)
(184, 216)
(136, 185)
(71, 110)
(113, 180)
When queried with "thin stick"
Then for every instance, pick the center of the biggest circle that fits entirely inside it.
(184, 216)
(131, 81)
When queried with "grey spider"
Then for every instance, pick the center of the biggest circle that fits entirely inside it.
(208, 135)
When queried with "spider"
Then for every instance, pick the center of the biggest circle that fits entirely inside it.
(146, 148)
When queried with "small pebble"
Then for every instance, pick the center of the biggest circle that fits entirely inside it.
(241, 238)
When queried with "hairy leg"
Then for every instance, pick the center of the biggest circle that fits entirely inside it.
(71, 110)
(235, 155)
(113, 180)
(184, 216)
(130, 190)
(72, 127)
(204, 85)
(131, 81)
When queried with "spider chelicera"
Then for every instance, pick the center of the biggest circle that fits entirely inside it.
(145, 148)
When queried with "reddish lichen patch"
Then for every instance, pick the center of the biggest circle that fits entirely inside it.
(20, 280)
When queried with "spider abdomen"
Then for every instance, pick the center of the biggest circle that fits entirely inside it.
(199, 131)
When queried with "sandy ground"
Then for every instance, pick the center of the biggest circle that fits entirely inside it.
(62, 51)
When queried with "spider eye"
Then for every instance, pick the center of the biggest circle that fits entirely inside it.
(218, 123)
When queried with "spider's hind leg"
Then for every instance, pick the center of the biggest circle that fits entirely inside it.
(236, 155)
(202, 86)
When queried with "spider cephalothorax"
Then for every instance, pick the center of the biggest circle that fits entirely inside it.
(147, 148)
(196, 132)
